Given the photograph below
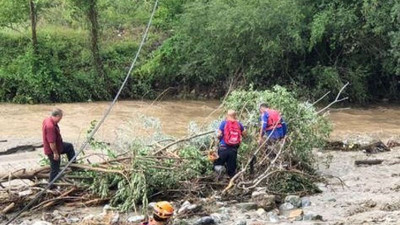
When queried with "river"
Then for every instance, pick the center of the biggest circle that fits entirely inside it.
(24, 121)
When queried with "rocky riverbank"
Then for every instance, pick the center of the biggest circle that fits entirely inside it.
(351, 195)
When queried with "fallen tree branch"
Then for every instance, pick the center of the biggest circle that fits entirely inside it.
(183, 140)
(337, 100)
(43, 172)
(24, 174)
(8, 208)
(327, 93)
(50, 202)
(96, 201)
(264, 175)
(375, 147)
(91, 168)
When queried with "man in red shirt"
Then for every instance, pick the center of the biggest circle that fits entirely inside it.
(53, 144)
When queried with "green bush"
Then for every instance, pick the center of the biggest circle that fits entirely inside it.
(65, 68)
(306, 129)
(314, 45)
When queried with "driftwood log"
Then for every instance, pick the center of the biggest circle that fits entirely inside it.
(24, 174)
(29, 148)
(368, 162)
(370, 148)
(8, 208)
(43, 172)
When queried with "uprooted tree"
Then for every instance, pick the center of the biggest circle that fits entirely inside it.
(147, 164)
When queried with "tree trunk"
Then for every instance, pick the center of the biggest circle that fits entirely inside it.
(33, 15)
(94, 37)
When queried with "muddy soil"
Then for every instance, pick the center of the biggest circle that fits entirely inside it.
(365, 194)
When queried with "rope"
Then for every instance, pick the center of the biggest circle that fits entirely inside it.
(97, 125)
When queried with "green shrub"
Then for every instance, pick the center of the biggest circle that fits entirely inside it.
(306, 129)
(65, 68)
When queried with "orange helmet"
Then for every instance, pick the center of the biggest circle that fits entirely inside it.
(164, 210)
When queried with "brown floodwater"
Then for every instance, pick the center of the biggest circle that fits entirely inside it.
(379, 122)
(24, 121)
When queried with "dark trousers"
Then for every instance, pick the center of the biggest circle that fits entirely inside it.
(67, 149)
(227, 155)
(269, 151)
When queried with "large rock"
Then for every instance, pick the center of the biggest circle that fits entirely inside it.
(296, 215)
(188, 207)
(151, 205)
(224, 210)
(25, 193)
(115, 219)
(262, 213)
(308, 216)
(286, 207)
(263, 200)
(305, 201)
(207, 220)
(273, 216)
(136, 219)
(247, 206)
(184, 207)
(294, 200)
(219, 218)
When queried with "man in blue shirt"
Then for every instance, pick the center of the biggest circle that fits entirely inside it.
(273, 127)
(230, 133)
(272, 124)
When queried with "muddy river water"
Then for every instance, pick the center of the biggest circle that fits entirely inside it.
(24, 121)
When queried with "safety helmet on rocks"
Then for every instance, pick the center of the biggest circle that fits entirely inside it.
(212, 156)
(163, 210)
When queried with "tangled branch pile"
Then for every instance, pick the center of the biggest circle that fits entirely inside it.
(291, 170)
(149, 164)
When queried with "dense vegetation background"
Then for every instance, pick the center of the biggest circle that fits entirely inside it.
(76, 50)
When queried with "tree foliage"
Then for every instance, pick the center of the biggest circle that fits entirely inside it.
(306, 129)
(317, 45)
(202, 47)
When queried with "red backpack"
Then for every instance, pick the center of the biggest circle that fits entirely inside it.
(274, 119)
(232, 133)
